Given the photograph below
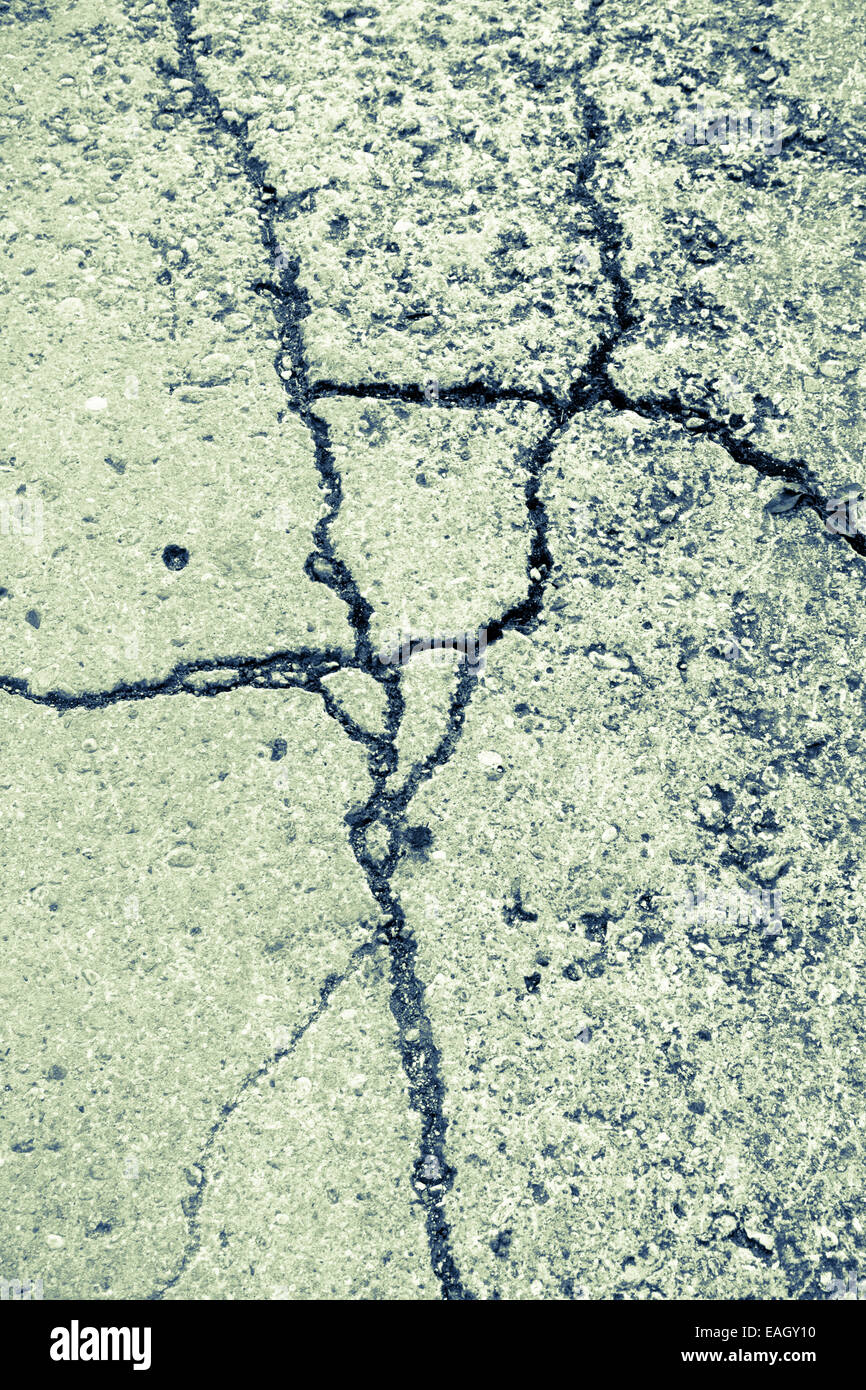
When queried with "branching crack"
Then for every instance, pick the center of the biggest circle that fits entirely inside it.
(418, 1051)
(386, 806)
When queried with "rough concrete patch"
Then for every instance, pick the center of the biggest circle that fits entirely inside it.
(309, 1186)
(168, 925)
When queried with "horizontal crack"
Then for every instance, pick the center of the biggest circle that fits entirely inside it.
(304, 667)
(470, 394)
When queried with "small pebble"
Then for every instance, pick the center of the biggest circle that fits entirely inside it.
(322, 569)
(181, 858)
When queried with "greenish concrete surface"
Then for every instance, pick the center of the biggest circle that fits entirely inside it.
(173, 899)
(676, 1101)
(426, 153)
(433, 523)
(361, 698)
(330, 977)
(297, 1207)
(746, 263)
(428, 689)
(141, 407)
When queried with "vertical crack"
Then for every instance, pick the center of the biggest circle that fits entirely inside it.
(419, 1055)
(289, 305)
(386, 808)
(594, 381)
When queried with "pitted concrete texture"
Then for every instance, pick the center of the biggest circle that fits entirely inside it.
(174, 900)
(422, 157)
(621, 1076)
(141, 409)
(434, 511)
(432, 542)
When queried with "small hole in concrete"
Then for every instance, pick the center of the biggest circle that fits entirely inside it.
(175, 557)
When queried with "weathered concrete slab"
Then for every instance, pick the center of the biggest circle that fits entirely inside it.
(427, 160)
(141, 407)
(331, 970)
(640, 1103)
(174, 900)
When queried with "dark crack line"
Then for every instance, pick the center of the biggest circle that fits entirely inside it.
(470, 395)
(290, 305)
(192, 1205)
(305, 671)
(419, 1054)
(385, 807)
(595, 385)
(303, 668)
(796, 471)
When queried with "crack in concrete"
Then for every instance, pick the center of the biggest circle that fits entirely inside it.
(418, 1051)
(795, 471)
(304, 669)
(193, 1204)
(290, 306)
(419, 1054)
(471, 395)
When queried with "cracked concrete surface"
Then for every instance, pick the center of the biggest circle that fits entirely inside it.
(332, 977)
